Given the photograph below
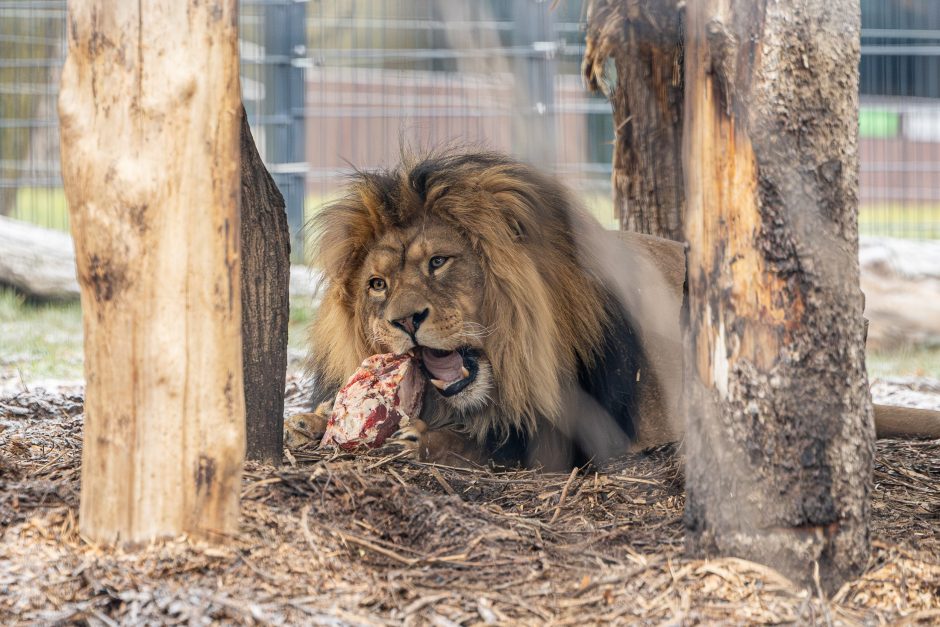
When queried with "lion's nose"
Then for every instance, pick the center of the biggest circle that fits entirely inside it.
(411, 323)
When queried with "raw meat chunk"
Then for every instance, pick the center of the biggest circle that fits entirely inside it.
(383, 395)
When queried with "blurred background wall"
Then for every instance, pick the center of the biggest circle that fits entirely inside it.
(332, 84)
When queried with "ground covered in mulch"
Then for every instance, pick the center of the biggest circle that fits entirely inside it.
(329, 539)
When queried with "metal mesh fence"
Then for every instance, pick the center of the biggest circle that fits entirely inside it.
(900, 118)
(390, 76)
(332, 84)
(32, 47)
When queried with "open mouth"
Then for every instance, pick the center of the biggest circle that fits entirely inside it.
(449, 371)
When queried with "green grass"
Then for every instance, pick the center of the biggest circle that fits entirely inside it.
(45, 342)
(915, 362)
(39, 341)
(301, 314)
(916, 221)
(43, 206)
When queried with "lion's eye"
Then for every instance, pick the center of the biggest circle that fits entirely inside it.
(377, 284)
(436, 262)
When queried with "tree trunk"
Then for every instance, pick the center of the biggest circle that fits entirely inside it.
(779, 419)
(265, 245)
(150, 160)
(644, 40)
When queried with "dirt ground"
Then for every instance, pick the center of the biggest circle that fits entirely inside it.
(378, 540)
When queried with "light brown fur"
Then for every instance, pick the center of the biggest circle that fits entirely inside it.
(525, 283)
(538, 301)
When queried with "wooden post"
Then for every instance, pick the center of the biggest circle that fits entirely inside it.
(265, 245)
(779, 421)
(643, 38)
(149, 114)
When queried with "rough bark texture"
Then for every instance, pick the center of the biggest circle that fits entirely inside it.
(36, 261)
(150, 159)
(265, 245)
(643, 38)
(779, 422)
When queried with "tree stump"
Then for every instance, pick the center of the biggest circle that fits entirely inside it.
(643, 39)
(149, 115)
(779, 419)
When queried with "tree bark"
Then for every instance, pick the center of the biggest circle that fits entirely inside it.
(150, 160)
(779, 419)
(643, 38)
(265, 276)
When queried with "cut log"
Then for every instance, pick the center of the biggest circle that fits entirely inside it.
(40, 262)
(149, 120)
(37, 262)
(779, 419)
(905, 422)
(266, 276)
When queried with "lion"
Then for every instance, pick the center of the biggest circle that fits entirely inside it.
(546, 340)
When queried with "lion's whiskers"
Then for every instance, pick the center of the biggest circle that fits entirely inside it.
(374, 339)
(470, 332)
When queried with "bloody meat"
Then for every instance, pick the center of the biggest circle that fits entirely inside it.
(382, 396)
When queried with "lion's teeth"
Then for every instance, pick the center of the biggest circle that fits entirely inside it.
(464, 373)
(440, 385)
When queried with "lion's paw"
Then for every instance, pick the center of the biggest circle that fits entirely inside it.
(409, 436)
(302, 429)
(442, 446)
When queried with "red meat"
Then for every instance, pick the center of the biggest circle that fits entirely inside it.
(382, 395)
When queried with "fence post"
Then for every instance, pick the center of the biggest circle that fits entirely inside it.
(282, 110)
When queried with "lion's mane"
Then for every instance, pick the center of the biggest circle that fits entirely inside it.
(542, 297)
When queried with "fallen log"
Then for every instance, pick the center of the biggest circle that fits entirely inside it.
(38, 262)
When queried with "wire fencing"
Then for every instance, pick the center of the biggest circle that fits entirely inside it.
(900, 118)
(330, 85)
(32, 48)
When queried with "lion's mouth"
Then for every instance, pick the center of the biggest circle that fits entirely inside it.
(449, 371)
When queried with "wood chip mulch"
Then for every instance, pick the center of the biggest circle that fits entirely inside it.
(379, 540)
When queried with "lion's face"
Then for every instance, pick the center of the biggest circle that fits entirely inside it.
(420, 290)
